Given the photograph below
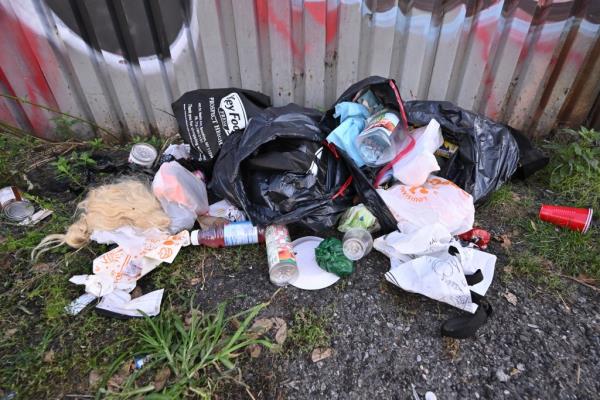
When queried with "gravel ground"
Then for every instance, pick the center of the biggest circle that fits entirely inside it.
(386, 340)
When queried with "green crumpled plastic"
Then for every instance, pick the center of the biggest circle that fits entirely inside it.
(358, 217)
(330, 256)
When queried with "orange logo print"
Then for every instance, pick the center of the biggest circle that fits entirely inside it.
(165, 252)
(416, 194)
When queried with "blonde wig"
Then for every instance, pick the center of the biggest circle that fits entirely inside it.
(109, 207)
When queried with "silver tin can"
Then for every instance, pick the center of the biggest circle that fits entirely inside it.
(19, 210)
(143, 154)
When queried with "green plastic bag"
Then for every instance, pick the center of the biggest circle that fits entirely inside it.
(331, 258)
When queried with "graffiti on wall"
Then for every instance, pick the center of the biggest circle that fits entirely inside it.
(120, 64)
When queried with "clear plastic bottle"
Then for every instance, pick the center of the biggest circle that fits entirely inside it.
(232, 234)
(357, 243)
(381, 139)
(283, 268)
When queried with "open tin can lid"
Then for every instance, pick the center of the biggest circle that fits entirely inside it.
(19, 210)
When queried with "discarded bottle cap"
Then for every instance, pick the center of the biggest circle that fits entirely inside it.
(18, 210)
(143, 154)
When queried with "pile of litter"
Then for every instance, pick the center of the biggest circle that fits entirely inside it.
(401, 178)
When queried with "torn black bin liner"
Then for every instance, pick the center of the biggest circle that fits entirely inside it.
(386, 90)
(279, 171)
(488, 154)
(207, 117)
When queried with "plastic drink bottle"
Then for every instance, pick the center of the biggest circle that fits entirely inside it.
(280, 252)
(233, 234)
(379, 142)
(357, 243)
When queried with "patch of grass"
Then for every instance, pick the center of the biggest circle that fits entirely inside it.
(309, 331)
(570, 252)
(536, 269)
(25, 362)
(13, 154)
(575, 167)
(53, 293)
(502, 196)
(199, 352)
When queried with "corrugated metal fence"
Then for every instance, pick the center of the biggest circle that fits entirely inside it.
(120, 63)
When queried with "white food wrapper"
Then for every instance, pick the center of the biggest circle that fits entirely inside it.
(441, 276)
(120, 302)
(425, 240)
(118, 270)
(77, 305)
(131, 240)
(441, 280)
(438, 200)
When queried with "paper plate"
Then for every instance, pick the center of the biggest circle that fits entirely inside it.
(310, 275)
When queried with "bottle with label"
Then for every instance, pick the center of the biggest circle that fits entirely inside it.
(280, 252)
(233, 234)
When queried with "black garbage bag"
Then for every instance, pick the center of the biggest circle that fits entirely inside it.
(280, 171)
(531, 159)
(207, 117)
(487, 153)
(386, 91)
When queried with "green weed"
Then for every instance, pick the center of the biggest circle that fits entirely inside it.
(71, 167)
(199, 352)
(575, 167)
(309, 331)
(96, 143)
(65, 126)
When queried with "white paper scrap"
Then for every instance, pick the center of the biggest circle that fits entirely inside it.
(120, 302)
(79, 303)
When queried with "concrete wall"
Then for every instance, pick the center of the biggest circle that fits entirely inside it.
(120, 63)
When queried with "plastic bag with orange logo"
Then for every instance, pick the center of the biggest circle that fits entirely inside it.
(438, 200)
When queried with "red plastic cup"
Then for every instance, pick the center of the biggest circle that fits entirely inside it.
(577, 219)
